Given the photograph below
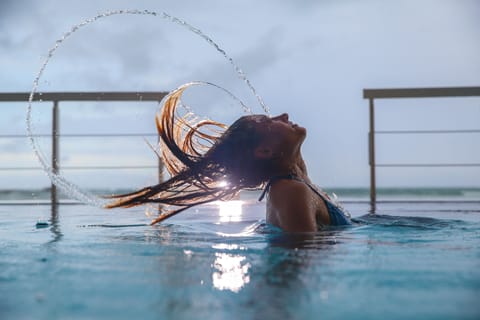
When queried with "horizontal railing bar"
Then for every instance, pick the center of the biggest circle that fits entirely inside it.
(20, 168)
(80, 168)
(100, 135)
(63, 202)
(83, 96)
(79, 135)
(109, 167)
(422, 165)
(152, 166)
(424, 131)
(421, 92)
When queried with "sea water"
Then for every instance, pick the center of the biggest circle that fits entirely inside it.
(221, 260)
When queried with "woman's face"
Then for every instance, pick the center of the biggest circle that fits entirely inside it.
(278, 133)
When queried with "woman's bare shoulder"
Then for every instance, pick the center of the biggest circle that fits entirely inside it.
(290, 188)
(293, 206)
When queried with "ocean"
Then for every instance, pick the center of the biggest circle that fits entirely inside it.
(344, 194)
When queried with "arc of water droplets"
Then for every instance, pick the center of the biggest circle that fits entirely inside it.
(73, 190)
(245, 108)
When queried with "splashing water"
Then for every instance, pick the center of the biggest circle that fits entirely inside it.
(245, 108)
(71, 189)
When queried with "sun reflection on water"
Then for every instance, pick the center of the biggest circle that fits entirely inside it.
(230, 211)
(231, 272)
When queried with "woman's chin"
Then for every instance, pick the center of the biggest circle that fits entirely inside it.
(301, 130)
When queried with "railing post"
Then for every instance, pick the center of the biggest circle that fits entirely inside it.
(55, 150)
(371, 155)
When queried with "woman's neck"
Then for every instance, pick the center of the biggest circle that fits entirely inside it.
(295, 166)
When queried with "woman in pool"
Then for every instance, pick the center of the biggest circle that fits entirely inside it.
(208, 161)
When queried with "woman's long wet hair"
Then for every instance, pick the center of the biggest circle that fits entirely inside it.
(207, 161)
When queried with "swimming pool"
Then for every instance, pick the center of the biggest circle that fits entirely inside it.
(411, 260)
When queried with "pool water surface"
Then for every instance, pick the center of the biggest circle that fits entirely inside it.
(409, 260)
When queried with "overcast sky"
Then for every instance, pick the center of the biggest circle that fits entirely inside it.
(311, 59)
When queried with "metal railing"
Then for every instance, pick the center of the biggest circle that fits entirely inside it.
(372, 94)
(56, 98)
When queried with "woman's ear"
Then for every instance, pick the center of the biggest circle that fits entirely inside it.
(263, 152)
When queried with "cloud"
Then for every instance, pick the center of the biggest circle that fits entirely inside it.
(6, 8)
